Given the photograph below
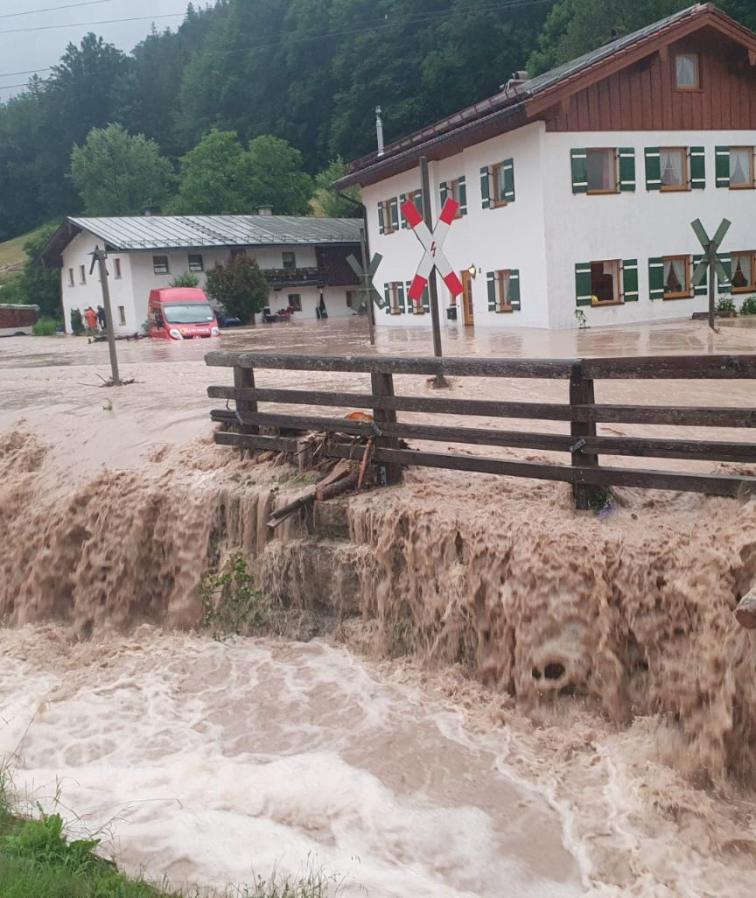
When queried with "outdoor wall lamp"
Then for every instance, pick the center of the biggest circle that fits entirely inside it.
(472, 271)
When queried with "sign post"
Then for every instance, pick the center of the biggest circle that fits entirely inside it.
(367, 292)
(99, 256)
(710, 261)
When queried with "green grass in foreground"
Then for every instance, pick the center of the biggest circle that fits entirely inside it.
(38, 861)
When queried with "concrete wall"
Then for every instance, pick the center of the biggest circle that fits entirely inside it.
(547, 230)
(635, 225)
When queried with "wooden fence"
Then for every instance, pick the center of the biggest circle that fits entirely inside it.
(583, 445)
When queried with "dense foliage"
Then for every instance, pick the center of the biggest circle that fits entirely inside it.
(216, 99)
(240, 286)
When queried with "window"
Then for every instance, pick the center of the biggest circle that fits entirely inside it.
(686, 71)
(160, 264)
(503, 290)
(497, 184)
(121, 315)
(394, 298)
(601, 166)
(457, 191)
(289, 261)
(606, 283)
(196, 262)
(388, 216)
(673, 162)
(71, 277)
(351, 299)
(675, 168)
(741, 167)
(295, 302)
(743, 267)
(676, 277)
(117, 269)
(238, 252)
(82, 274)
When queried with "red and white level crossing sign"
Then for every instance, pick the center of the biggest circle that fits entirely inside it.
(433, 244)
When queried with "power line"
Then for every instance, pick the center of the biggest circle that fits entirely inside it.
(171, 15)
(377, 25)
(31, 12)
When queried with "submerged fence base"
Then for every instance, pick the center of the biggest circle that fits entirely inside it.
(584, 445)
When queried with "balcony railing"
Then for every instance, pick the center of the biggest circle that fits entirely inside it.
(289, 277)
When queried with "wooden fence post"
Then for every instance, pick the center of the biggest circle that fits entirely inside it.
(383, 385)
(582, 393)
(244, 378)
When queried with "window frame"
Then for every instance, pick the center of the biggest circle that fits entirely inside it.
(676, 188)
(752, 164)
(117, 269)
(502, 276)
(393, 289)
(193, 265)
(687, 87)
(497, 201)
(288, 256)
(121, 316)
(292, 306)
(687, 293)
(156, 265)
(82, 275)
(71, 278)
(750, 288)
(619, 298)
(453, 192)
(604, 190)
(385, 213)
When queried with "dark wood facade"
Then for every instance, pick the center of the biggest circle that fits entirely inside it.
(643, 97)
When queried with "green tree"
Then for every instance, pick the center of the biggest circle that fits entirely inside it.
(213, 178)
(240, 286)
(276, 176)
(329, 203)
(37, 285)
(117, 173)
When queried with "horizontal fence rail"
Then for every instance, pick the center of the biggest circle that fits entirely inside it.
(277, 430)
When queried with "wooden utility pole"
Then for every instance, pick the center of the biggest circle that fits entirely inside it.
(99, 256)
(367, 283)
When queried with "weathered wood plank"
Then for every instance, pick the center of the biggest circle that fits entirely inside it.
(383, 387)
(703, 450)
(581, 394)
(693, 416)
(643, 367)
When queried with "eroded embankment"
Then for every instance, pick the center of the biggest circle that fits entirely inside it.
(633, 610)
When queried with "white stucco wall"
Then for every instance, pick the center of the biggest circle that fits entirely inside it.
(132, 290)
(548, 229)
(639, 224)
(511, 236)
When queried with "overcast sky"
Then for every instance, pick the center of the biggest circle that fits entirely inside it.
(24, 50)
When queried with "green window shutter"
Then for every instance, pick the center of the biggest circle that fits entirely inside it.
(387, 298)
(656, 278)
(402, 201)
(417, 198)
(462, 196)
(426, 299)
(400, 294)
(444, 191)
(514, 288)
(726, 285)
(627, 168)
(491, 286)
(703, 288)
(583, 284)
(485, 187)
(509, 187)
(653, 168)
(579, 162)
(412, 305)
(697, 168)
(381, 225)
(722, 166)
(630, 280)
(394, 210)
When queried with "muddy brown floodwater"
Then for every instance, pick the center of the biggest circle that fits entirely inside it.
(569, 708)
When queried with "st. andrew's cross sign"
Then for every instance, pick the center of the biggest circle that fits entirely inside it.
(433, 244)
(367, 291)
(710, 260)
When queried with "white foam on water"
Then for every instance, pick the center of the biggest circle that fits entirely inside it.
(209, 763)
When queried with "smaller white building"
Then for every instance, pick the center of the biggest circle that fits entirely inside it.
(303, 260)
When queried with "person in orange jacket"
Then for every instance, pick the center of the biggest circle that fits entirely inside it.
(90, 317)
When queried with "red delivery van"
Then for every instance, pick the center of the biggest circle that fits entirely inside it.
(181, 313)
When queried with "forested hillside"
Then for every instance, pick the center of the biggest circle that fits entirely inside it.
(309, 72)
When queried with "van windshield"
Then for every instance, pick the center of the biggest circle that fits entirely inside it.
(189, 313)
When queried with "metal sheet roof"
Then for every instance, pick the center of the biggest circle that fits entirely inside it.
(190, 231)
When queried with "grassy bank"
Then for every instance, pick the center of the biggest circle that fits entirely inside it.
(37, 860)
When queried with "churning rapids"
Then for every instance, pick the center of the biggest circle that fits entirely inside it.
(570, 708)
